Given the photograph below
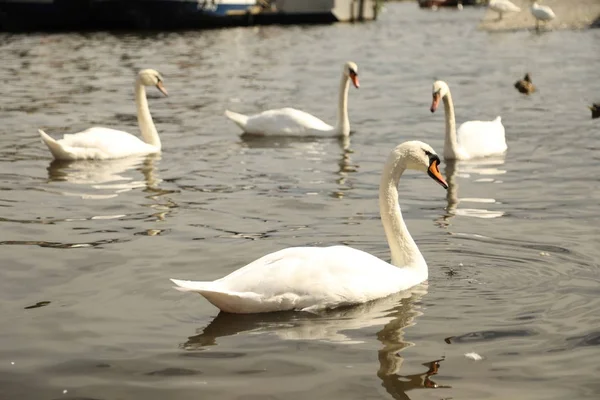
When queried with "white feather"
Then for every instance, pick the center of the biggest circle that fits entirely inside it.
(290, 121)
(312, 278)
(103, 143)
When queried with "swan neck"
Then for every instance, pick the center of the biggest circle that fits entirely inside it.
(450, 143)
(147, 128)
(343, 122)
(404, 250)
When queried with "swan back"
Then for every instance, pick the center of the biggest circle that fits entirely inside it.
(285, 121)
(482, 138)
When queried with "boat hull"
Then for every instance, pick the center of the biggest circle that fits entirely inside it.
(50, 15)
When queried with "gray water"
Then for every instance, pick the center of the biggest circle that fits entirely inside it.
(512, 248)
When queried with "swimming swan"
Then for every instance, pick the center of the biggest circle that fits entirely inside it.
(103, 143)
(289, 121)
(313, 278)
(475, 138)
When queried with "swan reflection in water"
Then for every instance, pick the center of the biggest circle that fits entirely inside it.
(314, 148)
(483, 170)
(395, 313)
(109, 178)
(109, 175)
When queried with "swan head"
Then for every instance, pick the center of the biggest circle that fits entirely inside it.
(421, 157)
(440, 90)
(150, 77)
(351, 72)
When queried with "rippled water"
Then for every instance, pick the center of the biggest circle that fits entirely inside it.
(87, 247)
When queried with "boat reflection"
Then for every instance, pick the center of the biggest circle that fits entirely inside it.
(395, 313)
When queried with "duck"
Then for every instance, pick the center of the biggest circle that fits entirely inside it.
(317, 278)
(595, 108)
(475, 139)
(541, 13)
(290, 121)
(99, 143)
(502, 6)
(525, 85)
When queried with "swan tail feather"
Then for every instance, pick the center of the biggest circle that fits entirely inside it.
(240, 119)
(225, 300)
(58, 152)
(191, 286)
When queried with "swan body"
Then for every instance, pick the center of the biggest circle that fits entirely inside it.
(289, 121)
(312, 278)
(502, 6)
(100, 143)
(541, 13)
(474, 139)
(525, 85)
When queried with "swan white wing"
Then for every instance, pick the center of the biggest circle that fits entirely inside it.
(285, 121)
(482, 138)
(102, 143)
(306, 278)
(320, 275)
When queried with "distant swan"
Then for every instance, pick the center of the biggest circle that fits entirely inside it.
(502, 6)
(312, 278)
(103, 143)
(289, 121)
(475, 138)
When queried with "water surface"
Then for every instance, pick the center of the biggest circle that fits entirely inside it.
(87, 248)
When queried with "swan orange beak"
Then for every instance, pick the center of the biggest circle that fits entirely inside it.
(162, 89)
(435, 102)
(354, 79)
(434, 172)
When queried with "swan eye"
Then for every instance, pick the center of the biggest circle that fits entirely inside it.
(427, 153)
(352, 72)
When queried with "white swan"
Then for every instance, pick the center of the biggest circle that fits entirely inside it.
(502, 6)
(289, 121)
(103, 143)
(312, 278)
(541, 13)
(475, 138)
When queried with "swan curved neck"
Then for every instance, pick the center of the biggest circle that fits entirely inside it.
(343, 123)
(147, 128)
(404, 251)
(450, 143)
